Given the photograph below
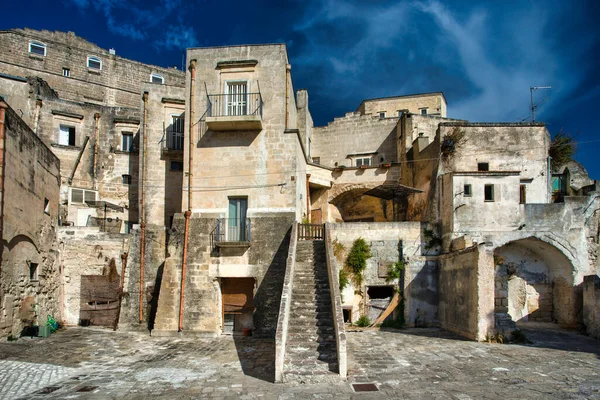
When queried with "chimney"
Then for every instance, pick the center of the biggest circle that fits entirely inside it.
(112, 51)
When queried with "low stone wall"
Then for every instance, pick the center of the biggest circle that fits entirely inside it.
(336, 303)
(284, 309)
(591, 305)
(466, 296)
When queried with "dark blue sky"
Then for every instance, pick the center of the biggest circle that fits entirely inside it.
(484, 57)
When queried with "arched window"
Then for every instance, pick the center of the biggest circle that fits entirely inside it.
(157, 78)
(94, 63)
(37, 48)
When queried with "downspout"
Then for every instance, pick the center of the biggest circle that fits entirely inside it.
(121, 291)
(308, 198)
(96, 136)
(188, 213)
(3, 107)
(143, 208)
(36, 119)
(288, 68)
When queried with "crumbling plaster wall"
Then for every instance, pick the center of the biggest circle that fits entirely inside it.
(591, 305)
(30, 178)
(388, 240)
(85, 251)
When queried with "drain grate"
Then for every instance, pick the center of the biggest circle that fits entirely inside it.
(87, 388)
(365, 387)
(48, 389)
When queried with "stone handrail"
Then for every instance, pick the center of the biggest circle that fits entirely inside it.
(336, 303)
(284, 308)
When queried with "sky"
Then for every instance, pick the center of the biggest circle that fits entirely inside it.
(483, 55)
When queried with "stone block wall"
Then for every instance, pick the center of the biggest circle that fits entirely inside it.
(433, 103)
(591, 305)
(29, 274)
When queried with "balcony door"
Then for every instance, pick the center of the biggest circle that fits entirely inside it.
(236, 98)
(236, 224)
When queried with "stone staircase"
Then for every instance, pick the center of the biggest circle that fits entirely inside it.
(311, 355)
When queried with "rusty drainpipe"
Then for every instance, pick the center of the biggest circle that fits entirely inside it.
(188, 213)
(96, 137)
(123, 265)
(143, 208)
(288, 68)
(308, 198)
(3, 107)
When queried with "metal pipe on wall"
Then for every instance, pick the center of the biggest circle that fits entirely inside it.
(3, 107)
(184, 269)
(143, 208)
(96, 138)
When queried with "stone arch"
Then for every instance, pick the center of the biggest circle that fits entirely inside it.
(339, 189)
(350, 203)
(535, 281)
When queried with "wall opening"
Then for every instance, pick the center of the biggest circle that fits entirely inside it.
(238, 304)
(378, 299)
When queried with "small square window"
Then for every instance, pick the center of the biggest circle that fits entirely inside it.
(66, 136)
(33, 271)
(37, 48)
(157, 78)
(467, 190)
(94, 63)
(127, 141)
(381, 114)
(46, 206)
(316, 160)
(483, 166)
(522, 194)
(176, 165)
(364, 161)
(423, 111)
(489, 192)
(66, 72)
(126, 179)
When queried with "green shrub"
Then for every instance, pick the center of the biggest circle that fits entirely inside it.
(363, 321)
(395, 271)
(343, 281)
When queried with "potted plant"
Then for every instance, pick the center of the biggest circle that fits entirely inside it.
(247, 332)
(385, 165)
(364, 166)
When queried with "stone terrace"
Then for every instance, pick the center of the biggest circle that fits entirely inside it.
(408, 364)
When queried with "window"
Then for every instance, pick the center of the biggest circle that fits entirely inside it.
(157, 78)
(37, 48)
(46, 206)
(126, 179)
(483, 166)
(400, 112)
(176, 135)
(489, 192)
(364, 161)
(522, 194)
(66, 135)
(237, 98)
(316, 160)
(126, 141)
(82, 195)
(66, 72)
(33, 271)
(381, 114)
(467, 190)
(423, 111)
(94, 63)
(176, 165)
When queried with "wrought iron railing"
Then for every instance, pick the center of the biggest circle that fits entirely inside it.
(231, 230)
(231, 105)
(174, 141)
(311, 231)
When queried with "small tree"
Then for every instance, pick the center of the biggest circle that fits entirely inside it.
(357, 260)
(562, 149)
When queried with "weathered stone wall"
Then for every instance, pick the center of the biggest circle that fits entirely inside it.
(31, 179)
(466, 292)
(591, 305)
(85, 251)
(116, 84)
(242, 162)
(389, 242)
(264, 261)
(434, 103)
(355, 134)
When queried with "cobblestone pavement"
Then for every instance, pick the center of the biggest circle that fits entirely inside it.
(90, 363)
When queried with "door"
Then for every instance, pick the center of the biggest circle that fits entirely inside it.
(236, 226)
(237, 98)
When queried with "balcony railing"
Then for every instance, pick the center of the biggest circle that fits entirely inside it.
(233, 105)
(231, 231)
(174, 141)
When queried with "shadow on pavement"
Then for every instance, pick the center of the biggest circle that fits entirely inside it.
(257, 357)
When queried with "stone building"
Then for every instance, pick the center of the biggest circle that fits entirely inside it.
(227, 162)
(30, 287)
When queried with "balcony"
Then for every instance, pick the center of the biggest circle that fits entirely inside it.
(172, 146)
(231, 232)
(233, 112)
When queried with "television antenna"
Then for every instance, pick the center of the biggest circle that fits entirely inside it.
(534, 106)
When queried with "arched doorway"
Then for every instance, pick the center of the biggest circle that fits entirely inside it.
(534, 283)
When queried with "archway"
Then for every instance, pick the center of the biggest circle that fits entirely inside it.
(534, 283)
